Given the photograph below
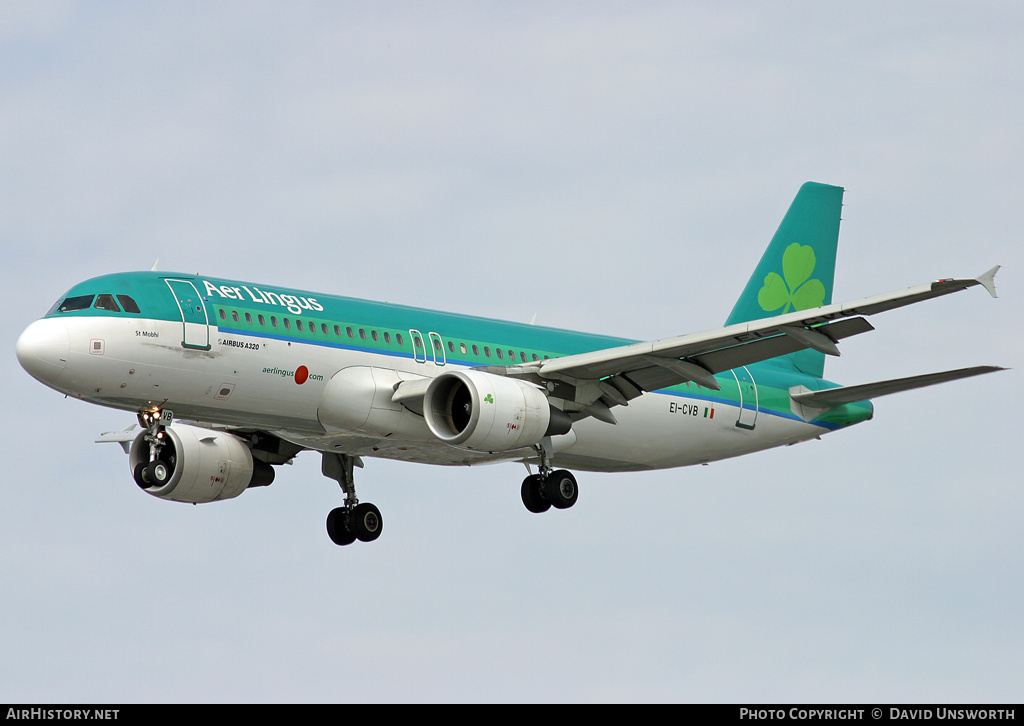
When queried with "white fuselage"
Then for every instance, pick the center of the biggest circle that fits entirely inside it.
(278, 386)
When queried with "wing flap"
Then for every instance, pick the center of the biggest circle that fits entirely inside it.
(654, 372)
(765, 348)
(783, 330)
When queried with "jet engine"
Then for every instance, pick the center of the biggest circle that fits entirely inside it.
(485, 412)
(197, 465)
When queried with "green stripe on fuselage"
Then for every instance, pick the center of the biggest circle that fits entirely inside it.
(226, 298)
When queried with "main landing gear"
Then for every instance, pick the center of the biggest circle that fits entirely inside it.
(352, 521)
(549, 488)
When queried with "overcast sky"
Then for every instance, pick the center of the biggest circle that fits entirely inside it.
(609, 167)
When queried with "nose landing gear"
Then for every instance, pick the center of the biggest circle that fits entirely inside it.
(158, 469)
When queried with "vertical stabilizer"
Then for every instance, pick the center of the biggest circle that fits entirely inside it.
(797, 269)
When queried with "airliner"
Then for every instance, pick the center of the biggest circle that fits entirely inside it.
(230, 380)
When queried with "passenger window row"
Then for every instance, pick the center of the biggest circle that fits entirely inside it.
(311, 328)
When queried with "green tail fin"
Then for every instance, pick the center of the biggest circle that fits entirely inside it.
(797, 269)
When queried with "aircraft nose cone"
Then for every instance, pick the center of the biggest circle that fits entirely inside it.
(43, 349)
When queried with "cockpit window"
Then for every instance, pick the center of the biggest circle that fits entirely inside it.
(128, 304)
(80, 302)
(106, 302)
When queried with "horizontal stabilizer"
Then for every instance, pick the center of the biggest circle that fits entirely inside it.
(849, 394)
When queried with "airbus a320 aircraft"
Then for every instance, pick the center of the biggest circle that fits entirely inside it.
(231, 379)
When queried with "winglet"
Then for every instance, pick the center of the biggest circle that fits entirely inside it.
(988, 280)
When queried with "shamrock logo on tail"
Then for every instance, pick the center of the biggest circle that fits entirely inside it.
(797, 289)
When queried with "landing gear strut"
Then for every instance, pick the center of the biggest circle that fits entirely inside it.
(159, 468)
(352, 520)
(549, 488)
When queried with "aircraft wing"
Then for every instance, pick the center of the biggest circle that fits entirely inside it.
(124, 437)
(591, 383)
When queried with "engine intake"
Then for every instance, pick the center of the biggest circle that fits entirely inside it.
(205, 465)
(484, 412)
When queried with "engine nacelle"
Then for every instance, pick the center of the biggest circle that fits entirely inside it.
(484, 412)
(358, 398)
(205, 465)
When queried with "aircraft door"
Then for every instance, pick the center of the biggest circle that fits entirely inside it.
(438, 346)
(432, 344)
(748, 398)
(419, 350)
(195, 323)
